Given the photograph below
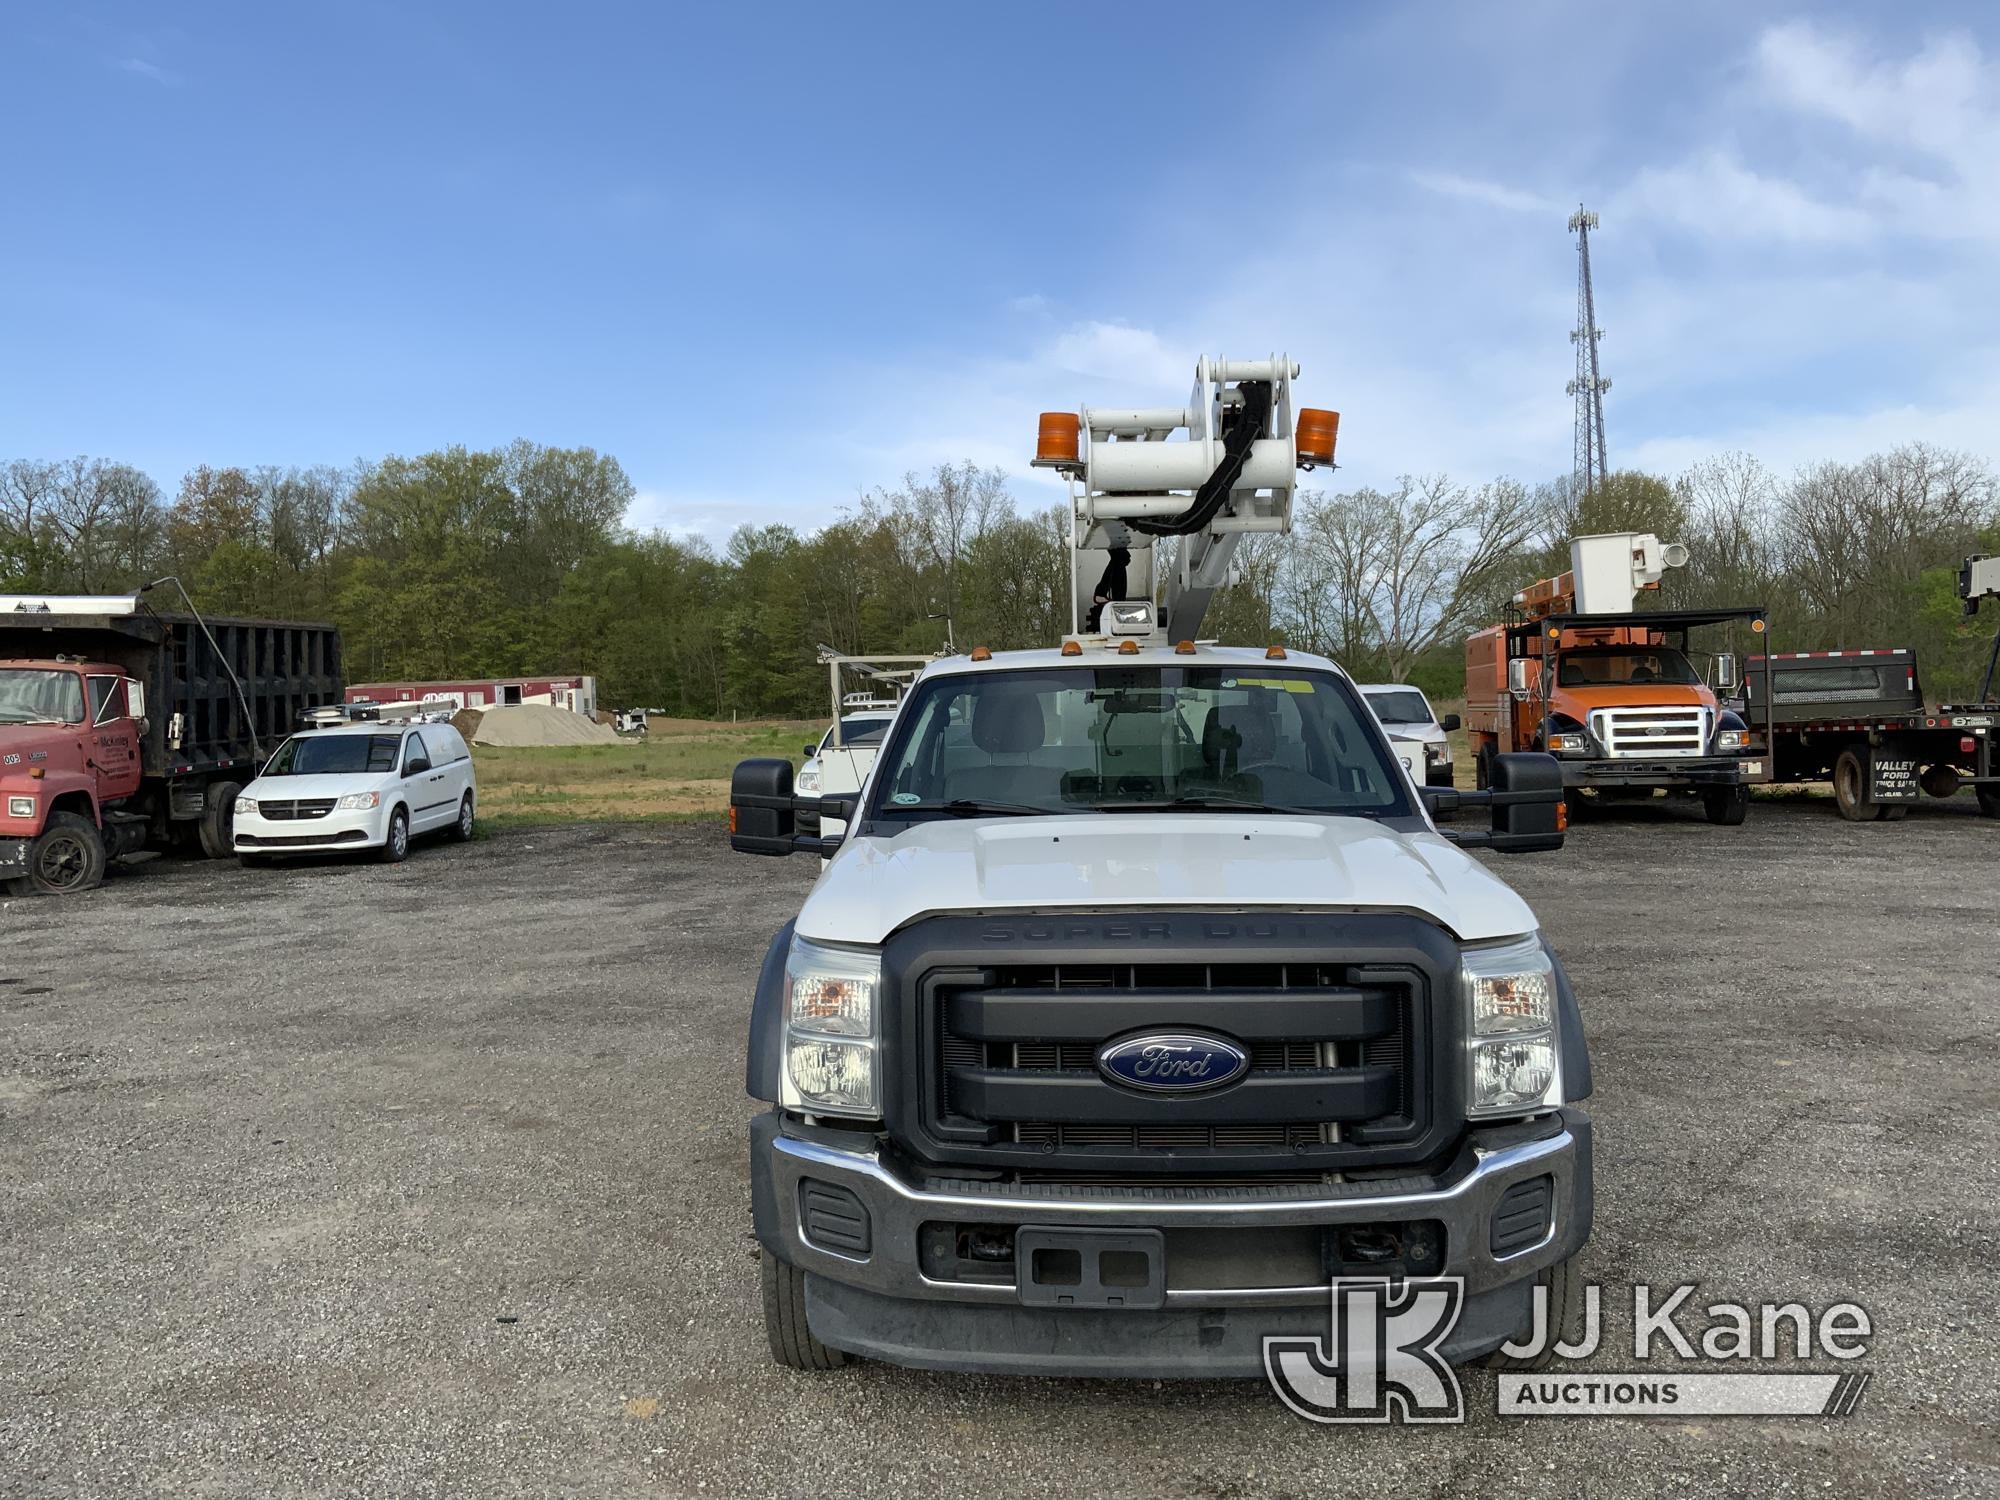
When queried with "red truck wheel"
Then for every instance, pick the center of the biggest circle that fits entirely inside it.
(68, 857)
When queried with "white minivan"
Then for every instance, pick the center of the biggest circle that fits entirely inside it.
(357, 786)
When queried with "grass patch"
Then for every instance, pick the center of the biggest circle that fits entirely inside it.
(680, 772)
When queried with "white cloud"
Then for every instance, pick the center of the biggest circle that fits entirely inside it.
(1785, 441)
(140, 68)
(1716, 196)
(1478, 190)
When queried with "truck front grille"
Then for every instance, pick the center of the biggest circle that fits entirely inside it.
(1327, 1042)
(290, 809)
(1669, 732)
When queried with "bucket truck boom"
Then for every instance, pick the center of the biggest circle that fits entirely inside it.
(1208, 473)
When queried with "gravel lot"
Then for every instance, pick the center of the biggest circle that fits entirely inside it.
(430, 1180)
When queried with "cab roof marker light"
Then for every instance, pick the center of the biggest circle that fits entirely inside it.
(1072, 648)
(982, 653)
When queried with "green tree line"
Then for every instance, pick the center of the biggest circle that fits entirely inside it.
(513, 561)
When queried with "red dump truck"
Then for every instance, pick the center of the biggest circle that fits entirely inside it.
(123, 728)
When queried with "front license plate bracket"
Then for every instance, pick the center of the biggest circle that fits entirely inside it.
(1091, 1267)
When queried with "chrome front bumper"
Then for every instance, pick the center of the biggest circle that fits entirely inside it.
(898, 1204)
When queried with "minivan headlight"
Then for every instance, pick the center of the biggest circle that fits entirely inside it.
(1512, 1067)
(359, 801)
(832, 1030)
(245, 805)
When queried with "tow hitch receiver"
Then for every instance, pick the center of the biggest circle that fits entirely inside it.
(1091, 1267)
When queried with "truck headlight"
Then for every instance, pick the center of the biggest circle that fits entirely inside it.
(1732, 739)
(808, 782)
(1569, 744)
(246, 805)
(832, 1030)
(359, 801)
(1510, 1044)
(1434, 751)
(20, 807)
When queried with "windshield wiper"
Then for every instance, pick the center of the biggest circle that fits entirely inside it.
(1225, 804)
(967, 807)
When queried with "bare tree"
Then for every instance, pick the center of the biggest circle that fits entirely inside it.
(1853, 539)
(1441, 548)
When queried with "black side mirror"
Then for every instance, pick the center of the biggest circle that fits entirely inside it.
(1527, 803)
(761, 815)
(1448, 723)
(416, 765)
(810, 751)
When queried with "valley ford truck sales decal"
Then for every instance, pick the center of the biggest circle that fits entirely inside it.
(1381, 1362)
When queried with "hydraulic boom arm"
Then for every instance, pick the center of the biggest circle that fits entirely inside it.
(1132, 484)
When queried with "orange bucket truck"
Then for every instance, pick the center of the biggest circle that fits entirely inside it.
(1612, 691)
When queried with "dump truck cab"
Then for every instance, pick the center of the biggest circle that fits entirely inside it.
(70, 733)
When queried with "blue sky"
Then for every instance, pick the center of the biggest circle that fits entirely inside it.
(772, 257)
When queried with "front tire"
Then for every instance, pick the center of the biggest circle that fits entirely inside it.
(1563, 1283)
(1726, 805)
(792, 1341)
(396, 842)
(66, 858)
(217, 825)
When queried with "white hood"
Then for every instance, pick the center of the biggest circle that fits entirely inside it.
(1189, 861)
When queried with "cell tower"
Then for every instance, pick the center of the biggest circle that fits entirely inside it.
(1589, 386)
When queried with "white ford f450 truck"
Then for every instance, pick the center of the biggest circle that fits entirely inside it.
(1142, 995)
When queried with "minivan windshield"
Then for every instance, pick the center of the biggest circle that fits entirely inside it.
(1405, 707)
(1138, 738)
(335, 755)
(33, 696)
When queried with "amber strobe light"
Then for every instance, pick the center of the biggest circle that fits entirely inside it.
(1316, 431)
(1059, 437)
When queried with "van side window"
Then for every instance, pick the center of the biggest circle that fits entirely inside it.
(412, 748)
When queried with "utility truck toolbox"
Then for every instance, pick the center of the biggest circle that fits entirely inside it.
(1141, 996)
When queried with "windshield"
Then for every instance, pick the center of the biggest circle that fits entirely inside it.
(33, 696)
(335, 755)
(1406, 707)
(1092, 739)
(856, 732)
(1623, 666)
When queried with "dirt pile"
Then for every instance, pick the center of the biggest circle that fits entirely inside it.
(528, 724)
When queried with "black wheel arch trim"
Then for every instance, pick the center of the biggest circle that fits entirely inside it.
(1570, 1044)
(767, 1020)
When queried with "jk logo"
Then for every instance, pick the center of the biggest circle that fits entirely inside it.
(1379, 1361)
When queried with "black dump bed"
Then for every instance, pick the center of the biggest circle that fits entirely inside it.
(1834, 686)
(195, 721)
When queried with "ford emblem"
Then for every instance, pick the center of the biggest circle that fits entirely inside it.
(1172, 1062)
